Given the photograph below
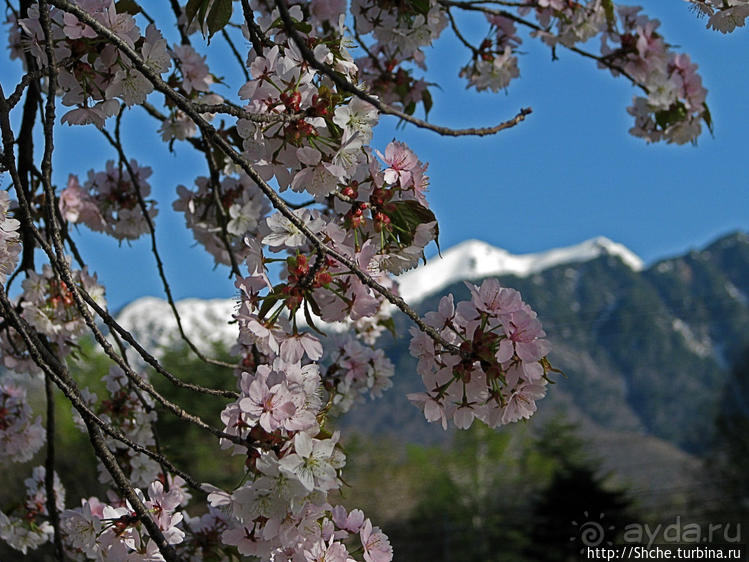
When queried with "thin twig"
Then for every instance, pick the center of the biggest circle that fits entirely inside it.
(237, 56)
(180, 26)
(221, 214)
(459, 35)
(117, 145)
(49, 469)
(363, 45)
(236, 111)
(17, 94)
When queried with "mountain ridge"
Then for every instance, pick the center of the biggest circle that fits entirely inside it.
(628, 336)
(646, 350)
(474, 259)
(152, 319)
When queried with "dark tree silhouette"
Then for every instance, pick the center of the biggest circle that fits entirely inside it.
(577, 509)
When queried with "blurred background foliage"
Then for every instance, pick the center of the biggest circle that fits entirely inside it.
(520, 493)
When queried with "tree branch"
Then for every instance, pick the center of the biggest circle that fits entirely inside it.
(236, 54)
(473, 7)
(117, 145)
(210, 132)
(82, 296)
(49, 469)
(257, 37)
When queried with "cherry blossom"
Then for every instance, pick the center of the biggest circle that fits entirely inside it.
(110, 200)
(10, 245)
(313, 216)
(500, 368)
(27, 527)
(20, 435)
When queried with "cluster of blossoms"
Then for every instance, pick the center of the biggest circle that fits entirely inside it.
(569, 22)
(675, 106)
(313, 530)
(113, 531)
(499, 368)
(194, 82)
(494, 65)
(302, 132)
(95, 76)
(10, 245)
(109, 201)
(14, 354)
(92, 75)
(20, 435)
(723, 15)
(400, 32)
(310, 147)
(356, 370)
(49, 307)
(402, 29)
(26, 526)
(237, 201)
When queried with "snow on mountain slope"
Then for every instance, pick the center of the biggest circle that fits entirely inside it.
(152, 322)
(474, 259)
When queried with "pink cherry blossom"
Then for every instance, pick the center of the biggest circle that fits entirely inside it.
(376, 544)
(401, 161)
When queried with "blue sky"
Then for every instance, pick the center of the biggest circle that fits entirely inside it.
(568, 173)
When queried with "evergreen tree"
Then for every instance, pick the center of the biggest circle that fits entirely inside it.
(577, 509)
(729, 460)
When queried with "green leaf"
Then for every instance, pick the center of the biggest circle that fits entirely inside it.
(608, 8)
(127, 7)
(426, 97)
(201, 14)
(707, 118)
(667, 117)
(407, 216)
(302, 27)
(389, 325)
(420, 6)
(269, 301)
(192, 8)
(219, 16)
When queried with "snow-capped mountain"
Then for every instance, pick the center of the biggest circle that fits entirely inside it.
(152, 322)
(643, 348)
(474, 259)
(206, 322)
